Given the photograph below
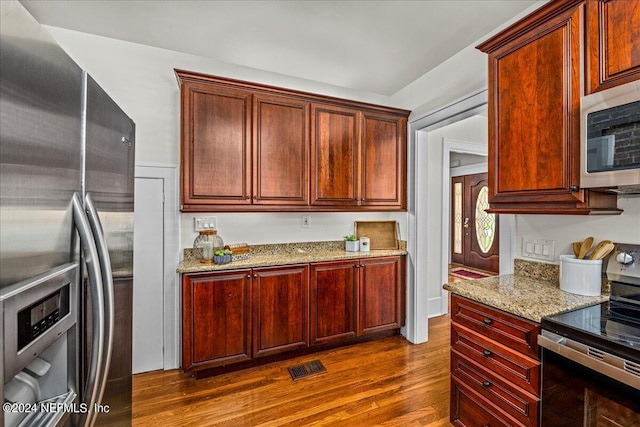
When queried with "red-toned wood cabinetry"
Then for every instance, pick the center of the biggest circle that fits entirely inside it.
(280, 309)
(495, 366)
(216, 319)
(216, 165)
(536, 70)
(250, 147)
(613, 51)
(248, 315)
(280, 151)
(333, 301)
(381, 303)
(356, 298)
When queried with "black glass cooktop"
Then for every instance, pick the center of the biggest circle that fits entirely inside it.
(612, 326)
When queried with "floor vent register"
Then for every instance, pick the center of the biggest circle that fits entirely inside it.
(307, 370)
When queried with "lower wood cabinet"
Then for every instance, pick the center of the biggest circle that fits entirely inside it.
(379, 299)
(333, 301)
(247, 315)
(495, 367)
(216, 319)
(280, 309)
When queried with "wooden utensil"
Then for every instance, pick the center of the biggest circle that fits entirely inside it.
(598, 246)
(576, 248)
(602, 251)
(585, 247)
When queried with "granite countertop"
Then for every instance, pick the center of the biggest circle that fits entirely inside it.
(523, 295)
(287, 254)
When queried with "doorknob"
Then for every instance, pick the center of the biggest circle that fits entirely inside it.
(466, 223)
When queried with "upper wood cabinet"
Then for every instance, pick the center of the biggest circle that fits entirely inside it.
(280, 151)
(335, 155)
(358, 158)
(250, 147)
(613, 50)
(384, 162)
(216, 145)
(534, 123)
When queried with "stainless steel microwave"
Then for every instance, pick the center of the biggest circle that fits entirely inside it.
(610, 139)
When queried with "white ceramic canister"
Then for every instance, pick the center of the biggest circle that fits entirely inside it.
(365, 244)
(580, 276)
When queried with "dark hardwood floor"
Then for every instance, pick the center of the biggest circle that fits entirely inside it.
(388, 382)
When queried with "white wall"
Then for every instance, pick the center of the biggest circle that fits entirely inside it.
(565, 229)
(255, 228)
(430, 170)
(141, 80)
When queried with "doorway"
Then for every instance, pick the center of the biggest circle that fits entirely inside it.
(474, 232)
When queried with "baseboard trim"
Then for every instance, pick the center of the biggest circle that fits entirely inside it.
(434, 307)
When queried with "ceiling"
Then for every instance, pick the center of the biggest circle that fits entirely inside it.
(371, 46)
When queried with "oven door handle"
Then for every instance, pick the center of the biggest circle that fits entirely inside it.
(607, 364)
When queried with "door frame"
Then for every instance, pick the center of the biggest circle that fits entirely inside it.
(171, 252)
(418, 308)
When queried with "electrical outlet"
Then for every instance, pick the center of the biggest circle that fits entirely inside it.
(205, 223)
(538, 249)
(306, 221)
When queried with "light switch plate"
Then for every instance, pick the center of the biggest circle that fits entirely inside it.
(539, 249)
(205, 223)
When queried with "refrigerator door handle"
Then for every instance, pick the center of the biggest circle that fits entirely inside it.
(91, 391)
(107, 289)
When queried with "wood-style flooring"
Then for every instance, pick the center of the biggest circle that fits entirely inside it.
(388, 382)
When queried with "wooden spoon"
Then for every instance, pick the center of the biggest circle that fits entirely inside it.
(602, 251)
(585, 247)
(598, 246)
(576, 248)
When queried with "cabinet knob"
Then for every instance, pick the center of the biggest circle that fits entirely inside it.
(486, 353)
(248, 276)
(574, 188)
(487, 321)
(486, 383)
(255, 276)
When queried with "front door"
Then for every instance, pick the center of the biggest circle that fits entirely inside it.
(474, 232)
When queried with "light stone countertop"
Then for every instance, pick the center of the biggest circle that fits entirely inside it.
(299, 256)
(522, 295)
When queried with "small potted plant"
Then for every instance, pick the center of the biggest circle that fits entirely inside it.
(222, 256)
(351, 243)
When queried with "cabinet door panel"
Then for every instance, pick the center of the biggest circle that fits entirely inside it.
(383, 160)
(335, 134)
(280, 309)
(613, 51)
(281, 150)
(216, 152)
(379, 295)
(534, 120)
(216, 319)
(333, 301)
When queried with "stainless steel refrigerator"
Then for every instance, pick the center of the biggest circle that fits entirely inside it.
(66, 236)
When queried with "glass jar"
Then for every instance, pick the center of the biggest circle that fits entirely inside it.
(210, 242)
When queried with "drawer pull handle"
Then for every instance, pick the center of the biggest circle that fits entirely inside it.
(487, 321)
(486, 353)
(486, 383)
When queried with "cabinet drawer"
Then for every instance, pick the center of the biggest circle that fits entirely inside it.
(469, 409)
(512, 400)
(521, 370)
(512, 331)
